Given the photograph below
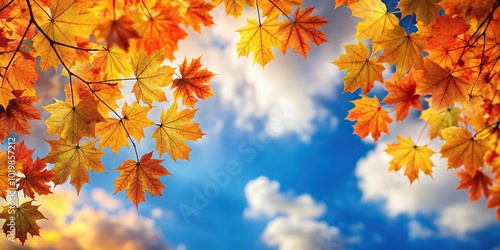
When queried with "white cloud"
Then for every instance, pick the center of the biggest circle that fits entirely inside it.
(104, 200)
(264, 198)
(291, 223)
(428, 196)
(297, 234)
(287, 86)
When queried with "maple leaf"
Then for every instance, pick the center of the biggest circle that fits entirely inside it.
(446, 31)
(117, 32)
(150, 77)
(174, 128)
(193, 82)
(137, 177)
(112, 63)
(75, 160)
(339, 3)
(115, 132)
(415, 158)
(197, 13)
(477, 183)
(234, 7)
(15, 116)
(440, 120)
(370, 117)
(427, 10)
(73, 122)
(303, 29)
(276, 7)
(259, 39)
(35, 177)
(461, 148)
(400, 48)
(21, 74)
(5, 97)
(161, 30)
(362, 69)
(494, 200)
(375, 19)
(62, 24)
(402, 93)
(25, 218)
(445, 87)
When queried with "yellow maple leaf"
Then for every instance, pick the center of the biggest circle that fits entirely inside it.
(174, 129)
(151, 75)
(461, 148)
(427, 10)
(61, 25)
(400, 48)
(374, 18)
(5, 97)
(440, 120)
(259, 39)
(362, 68)
(75, 160)
(415, 158)
(112, 63)
(73, 122)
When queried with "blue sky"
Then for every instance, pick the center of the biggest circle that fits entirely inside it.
(295, 175)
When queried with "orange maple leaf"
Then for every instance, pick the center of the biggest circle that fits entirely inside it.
(192, 82)
(277, 7)
(21, 75)
(25, 218)
(137, 177)
(15, 116)
(402, 93)
(35, 178)
(161, 30)
(117, 32)
(362, 69)
(339, 3)
(174, 128)
(303, 29)
(461, 148)
(197, 14)
(75, 160)
(415, 158)
(477, 183)
(445, 87)
(370, 117)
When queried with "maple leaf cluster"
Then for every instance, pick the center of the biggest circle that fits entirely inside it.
(101, 47)
(449, 67)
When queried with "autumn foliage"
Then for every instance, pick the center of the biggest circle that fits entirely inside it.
(444, 55)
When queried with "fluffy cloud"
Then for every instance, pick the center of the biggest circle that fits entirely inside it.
(263, 197)
(436, 195)
(286, 88)
(72, 224)
(295, 228)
